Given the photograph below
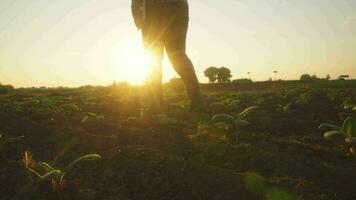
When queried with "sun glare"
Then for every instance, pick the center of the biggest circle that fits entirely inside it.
(131, 61)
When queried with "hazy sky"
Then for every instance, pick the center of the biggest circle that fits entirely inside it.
(79, 42)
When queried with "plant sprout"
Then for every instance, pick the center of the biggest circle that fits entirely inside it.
(51, 173)
(284, 108)
(348, 104)
(232, 122)
(91, 115)
(234, 119)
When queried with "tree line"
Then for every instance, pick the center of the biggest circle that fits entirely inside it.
(4, 89)
(223, 75)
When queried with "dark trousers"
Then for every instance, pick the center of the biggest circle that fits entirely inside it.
(165, 27)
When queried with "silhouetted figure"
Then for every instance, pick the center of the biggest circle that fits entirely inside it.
(164, 25)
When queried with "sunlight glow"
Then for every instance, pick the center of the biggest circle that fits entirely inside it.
(132, 61)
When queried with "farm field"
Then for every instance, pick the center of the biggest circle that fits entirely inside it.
(252, 141)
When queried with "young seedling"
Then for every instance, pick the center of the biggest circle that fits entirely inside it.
(284, 108)
(349, 105)
(50, 173)
(90, 115)
(348, 130)
(232, 122)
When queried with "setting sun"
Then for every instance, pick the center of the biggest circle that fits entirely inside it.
(131, 61)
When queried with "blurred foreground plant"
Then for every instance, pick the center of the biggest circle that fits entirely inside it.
(348, 130)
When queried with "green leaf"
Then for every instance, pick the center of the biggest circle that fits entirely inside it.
(241, 122)
(52, 174)
(89, 157)
(329, 127)
(34, 172)
(45, 166)
(333, 133)
(248, 111)
(350, 127)
(354, 108)
(92, 114)
(223, 118)
(85, 118)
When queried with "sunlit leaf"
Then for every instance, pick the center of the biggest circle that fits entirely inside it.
(27, 158)
(241, 122)
(350, 140)
(89, 157)
(45, 166)
(329, 127)
(85, 118)
(333, 133)
(92, 114)
(34, 172)
(248, 111)
(350, 127)
(51, 175)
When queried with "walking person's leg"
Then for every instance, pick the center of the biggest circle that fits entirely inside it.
(154, 46)
(175, 43)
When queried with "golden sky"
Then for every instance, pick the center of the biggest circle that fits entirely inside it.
(80, 42)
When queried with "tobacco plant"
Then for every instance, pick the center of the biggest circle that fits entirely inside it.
(232, 122)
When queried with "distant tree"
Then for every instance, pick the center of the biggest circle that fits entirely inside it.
(224, 75)
(5, 89)
(314, 77)
(211, 73)
(328, 77)
(307, 77)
